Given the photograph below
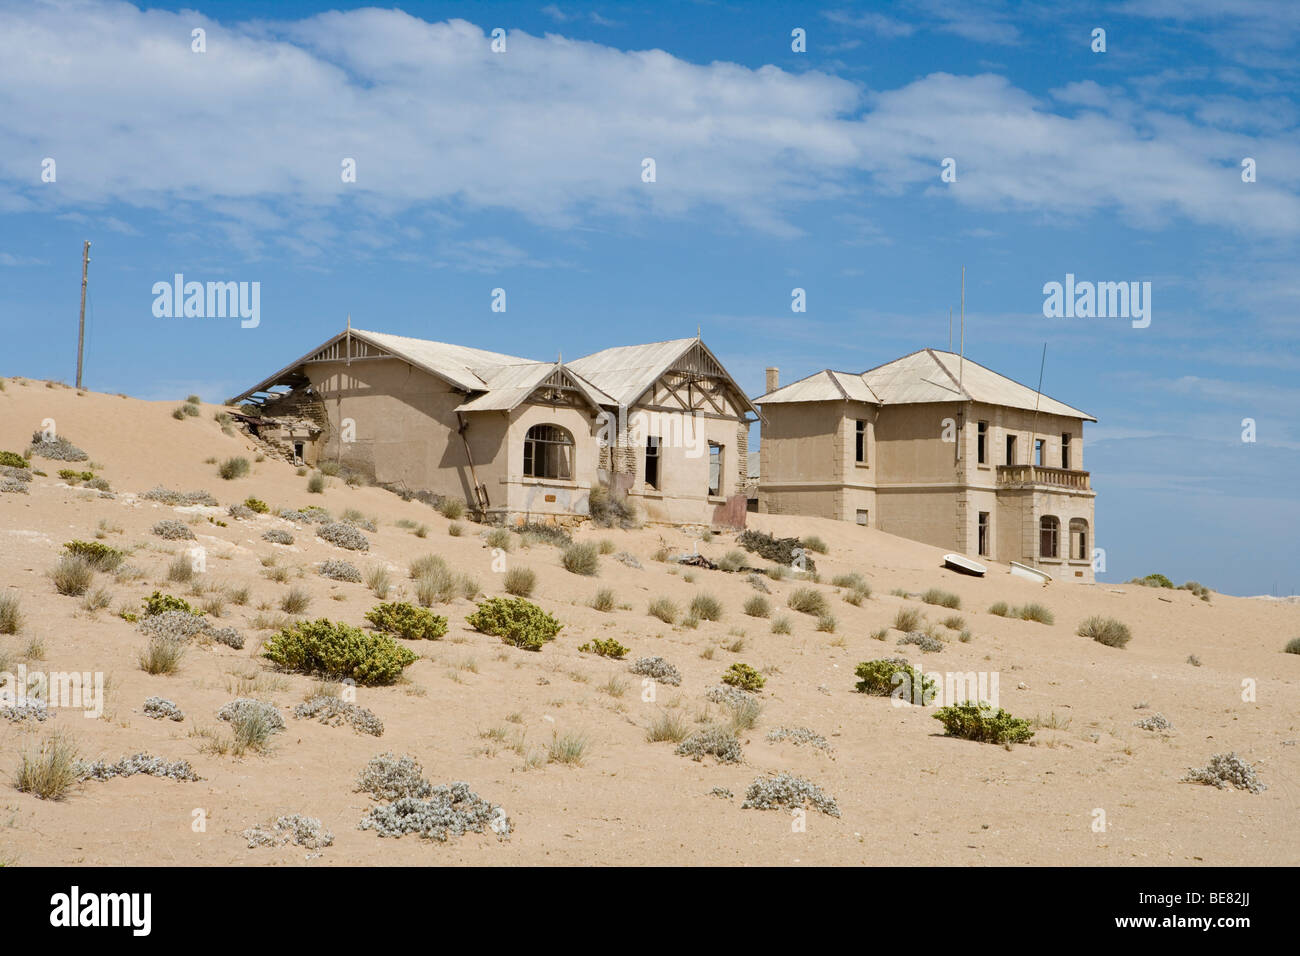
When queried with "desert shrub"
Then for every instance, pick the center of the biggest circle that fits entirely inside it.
(1292, 646)
(158, 603)
(101, 556)
(1200, 590)
(1034, 612)
(11, 615)
(551, 534)
(515, 621)
(389, 777)
(252, 722)
(814, 543)
(954, 622)
(98, 484)
(51, 772)
(343, 535)
(72, 575)
(758, 606)
(784, 551)
(610, 509)
(907, 619)
(781, 625)
(658, 669)
(316, 484)
(379, 581)
(605, 648)
(296, 829)
(784, 791)
(358, 520)
(256, 505)
(312, 514)
(706, 607)
(1226, 770)
(604, 600)
(448, 810)
(340, 571)
(981, 722)
(337, 651)
(664, 609)
(1153, 581)
(173, 530)
(581, 558)
(55, 448)
(407, 621)
(10, 459)
(744, 677)
(277, 536)
(718, 742)
(1105, 630)
(334, 711)
(161, 656)
(175, 626)
(1155, 722)
(668, 726)
(732, 561)
(178, 498)
(181, 570)
(800, 736)
(68, 474)
(160, 708)
(1001, 609)
(520, 582)
(827, 623)
(239, 512)
(883, 677)
(451, 508)
(808, 601)
(226, 635)
(852, 581)
(233, 468)
(13, 486)
(136, 763)
(941, 598)
(926, 642)
(500, 538)
(296, 601)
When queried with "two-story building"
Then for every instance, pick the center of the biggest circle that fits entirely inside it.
(936, 448)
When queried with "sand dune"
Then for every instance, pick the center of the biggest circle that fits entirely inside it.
(473, 709)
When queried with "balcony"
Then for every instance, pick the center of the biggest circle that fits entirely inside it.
(1021, 476)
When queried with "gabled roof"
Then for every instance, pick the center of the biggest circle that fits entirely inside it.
(927, 375)
(627, 372)
(511, 385)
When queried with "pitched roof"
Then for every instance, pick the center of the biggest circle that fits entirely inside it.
(927, 375)
(626, 372)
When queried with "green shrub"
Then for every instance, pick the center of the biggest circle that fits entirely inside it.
(72, 575)
(1035, 612)
(758, 606)
(1292, 646)
(1153, 581)
(521, 582)
(706, 607)
(941, 598)
(408, 621)
(178, 413)
(1001, 609)
(158, 602)
(233, 468)
(982, 723)
(808, 601)
(744, 677)
(515, 621)
(664, 609)
(67, 474)
(608, 648)
(336, 651)
(814, 543)
(883, 677)
(781, 550)
(1105, 630)
(907, 619)
(193, 400)
(581, 558)
(316, 483)
(101, 556)
(257, 505)
(10, 459)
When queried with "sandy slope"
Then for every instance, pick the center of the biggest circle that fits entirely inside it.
(907, 794)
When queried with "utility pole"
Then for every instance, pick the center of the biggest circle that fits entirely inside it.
(81, 324)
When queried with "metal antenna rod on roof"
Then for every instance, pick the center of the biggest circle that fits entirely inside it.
(961, 363)
(949, 328)
(1033, 444)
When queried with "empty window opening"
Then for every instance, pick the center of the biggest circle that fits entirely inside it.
(1049, 529)
(860, 452)
(1078, 539)
(1040, 445)
(715, 469)
(862, 516)
(297, 453)
(1065, 449)
(984, 533)
(652, 462)
(548, 452)
(1011, 449)
(981, 443)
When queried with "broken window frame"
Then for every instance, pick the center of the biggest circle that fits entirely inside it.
(1049, 537)
(551, 448)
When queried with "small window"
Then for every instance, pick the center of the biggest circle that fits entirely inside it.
(862, 517)
(652, 462)
(1078, 539)
(548, 452)
(1040, 444)
(1065, 449)
(715, 469)
(984, 533)
(860, 455)
(1011, 449)
(981, 443)
(1049, 529)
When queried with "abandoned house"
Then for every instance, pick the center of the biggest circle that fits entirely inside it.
(663, 423)
(935, 448)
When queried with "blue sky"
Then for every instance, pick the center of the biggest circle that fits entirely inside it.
(774, 170)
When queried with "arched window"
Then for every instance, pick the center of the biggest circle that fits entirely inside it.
(1078, 539)
(548, 452)
(1049, 529)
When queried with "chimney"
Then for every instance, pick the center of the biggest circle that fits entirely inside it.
(773, 378)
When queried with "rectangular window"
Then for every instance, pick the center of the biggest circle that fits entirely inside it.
(860, 453)
(1011, 449)
(297, 453)
(1065, 449)
(984, 533)
(715, 469)
(652, 462)
(1039, 445)
(981, 443)
(862, 516)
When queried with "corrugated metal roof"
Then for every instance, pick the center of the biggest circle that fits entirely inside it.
(929, 375)
(624, 373)
(512, 384)
(453, 362)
